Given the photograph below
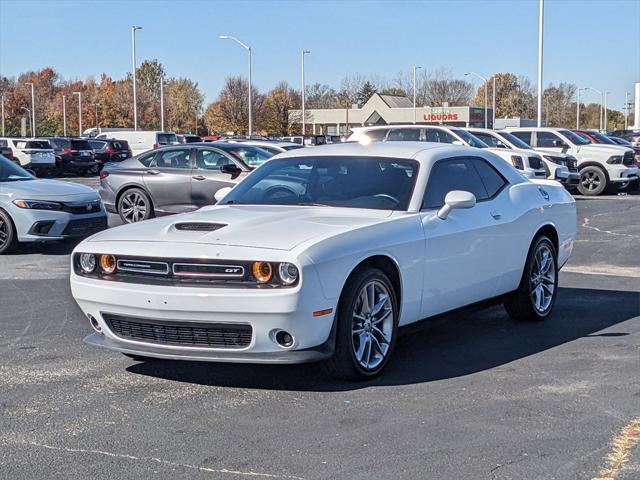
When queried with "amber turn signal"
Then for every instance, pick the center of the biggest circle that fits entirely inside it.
(108, 264)
(262, 271)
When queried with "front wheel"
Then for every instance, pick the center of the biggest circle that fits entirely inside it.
(8, 236)
(593, 181)
(536, 295)
(367, 325)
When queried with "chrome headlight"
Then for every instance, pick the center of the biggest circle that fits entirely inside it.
(87, 262)
(38, 204)
(288, 273)
(616, 159)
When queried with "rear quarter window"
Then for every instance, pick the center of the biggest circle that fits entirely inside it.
(147, 159)
(166, 138)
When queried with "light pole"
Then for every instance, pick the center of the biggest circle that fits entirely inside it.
(3, 115)
(486, 85)
(302, 54)
(33, 110)
(540, 47)
(64, 115)
(493, 106)
(604, 122)
(79, 112)
(248, 49)
(415, 68)
(578, 106)
(28, 110)
(133, 73)
(626, 114)
(601, 102)
(162, 104)
(95, 106)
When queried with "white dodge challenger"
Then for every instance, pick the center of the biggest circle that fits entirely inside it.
(322, 253)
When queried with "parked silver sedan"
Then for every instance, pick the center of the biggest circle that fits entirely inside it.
(34, 210)
(175, 179)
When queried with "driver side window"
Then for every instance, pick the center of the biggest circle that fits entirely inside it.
(211, 160)
(453, 174)
(546, 139)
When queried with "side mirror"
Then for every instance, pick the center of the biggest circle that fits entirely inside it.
(559, 144)
(232, 170)
(220, 194)
(456, 199)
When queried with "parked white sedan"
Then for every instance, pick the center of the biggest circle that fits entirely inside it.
(321, 254)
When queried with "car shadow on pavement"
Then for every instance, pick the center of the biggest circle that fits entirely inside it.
(64, 247)
(453, 345)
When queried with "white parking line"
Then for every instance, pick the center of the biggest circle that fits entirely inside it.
(611, 271)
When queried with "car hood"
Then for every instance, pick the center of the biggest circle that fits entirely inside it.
(49, 190)
(603, 149)
(258, 226)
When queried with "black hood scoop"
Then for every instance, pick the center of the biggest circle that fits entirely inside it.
(199, 226)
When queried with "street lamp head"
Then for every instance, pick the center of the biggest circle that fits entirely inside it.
(224, 37)
(304, 52)
(135, 27)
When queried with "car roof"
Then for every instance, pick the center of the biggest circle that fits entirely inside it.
(374, 149)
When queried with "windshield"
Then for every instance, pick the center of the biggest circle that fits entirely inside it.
(511, 138)
(351, 182)
(41, 144)
(251, 156)
(10, 172)
(291, 147)
(470, 139)
(573, 138)
(167, 138)
(80, 145)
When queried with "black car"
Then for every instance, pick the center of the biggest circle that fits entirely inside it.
(5, 151)
(109, 150)
(73, 155)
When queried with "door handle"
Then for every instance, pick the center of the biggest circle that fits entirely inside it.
(199, 177)
(153, 172)
(495, 214)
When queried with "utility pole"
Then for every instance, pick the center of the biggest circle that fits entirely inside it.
(493, 107)
(33, 110)
(248, 49)
(79, 112)
(64, 115)
(95, 106)
(162, 104)
(540, 46)
(604, 122)
(302, 54)
(133, 73)
(3, 115)
(414, 92)
(626, 114)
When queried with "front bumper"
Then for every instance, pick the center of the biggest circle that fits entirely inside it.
(265, 310)
(46, 225)
(568, 179)
(623, 174)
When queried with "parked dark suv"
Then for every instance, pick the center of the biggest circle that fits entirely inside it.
(5, 151)
(73, 155)
(109, 150)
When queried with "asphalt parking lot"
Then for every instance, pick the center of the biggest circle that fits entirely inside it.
(472, 395)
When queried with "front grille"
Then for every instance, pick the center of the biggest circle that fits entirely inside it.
(82, 208)
(199, 226)
(86, 226)
(189, 334)
(535, 163)
(627, 159)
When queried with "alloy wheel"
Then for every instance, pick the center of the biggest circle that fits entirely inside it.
(134, 207)
(590, 180)
(543, 279)
(4, 233)
(372, 326)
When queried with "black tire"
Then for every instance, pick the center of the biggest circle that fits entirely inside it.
(8, 237)
(128, 199)
(344, 363)
(522, 303)
(631, 186)
(593, 181)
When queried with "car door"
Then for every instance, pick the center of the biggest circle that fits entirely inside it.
(207, 176)
(168, 180)
(468, 254)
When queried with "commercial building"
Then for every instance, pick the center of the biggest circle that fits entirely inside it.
(387, 110)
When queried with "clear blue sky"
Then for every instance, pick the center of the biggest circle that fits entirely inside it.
(587, 42)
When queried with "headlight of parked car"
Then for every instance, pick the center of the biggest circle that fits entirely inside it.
(38, 204)
(288, 273)
(517, 162)
(87, 262)
(556, 160)
(616, 159)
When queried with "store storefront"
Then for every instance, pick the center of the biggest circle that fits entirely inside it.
(387, 110)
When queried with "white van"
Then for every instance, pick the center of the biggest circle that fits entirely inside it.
(36, 154)
(141, 141)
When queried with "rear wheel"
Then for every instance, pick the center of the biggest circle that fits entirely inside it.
(367, 325)
(8, 238)
(593, 181)
(538, 289)
(135, 205)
